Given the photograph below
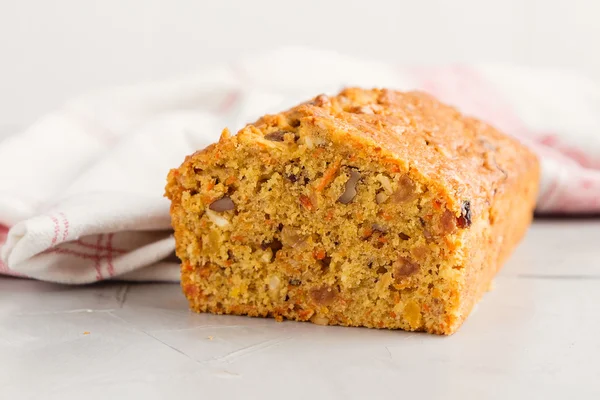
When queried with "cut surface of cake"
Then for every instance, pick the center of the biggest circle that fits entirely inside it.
(372, 208)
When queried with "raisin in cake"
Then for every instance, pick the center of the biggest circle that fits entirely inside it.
(372, 208)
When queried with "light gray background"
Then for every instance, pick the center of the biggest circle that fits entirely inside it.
(53, 50)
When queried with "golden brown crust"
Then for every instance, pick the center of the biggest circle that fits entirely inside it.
(466, 157)
(473, 187)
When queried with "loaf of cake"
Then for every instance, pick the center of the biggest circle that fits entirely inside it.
(372, 208)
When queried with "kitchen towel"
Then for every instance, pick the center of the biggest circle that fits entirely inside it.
(81, 189)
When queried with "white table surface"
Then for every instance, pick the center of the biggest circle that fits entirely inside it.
(535, 336)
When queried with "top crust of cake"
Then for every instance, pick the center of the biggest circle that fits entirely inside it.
(467, 158)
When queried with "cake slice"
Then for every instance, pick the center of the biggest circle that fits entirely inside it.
(372, 208)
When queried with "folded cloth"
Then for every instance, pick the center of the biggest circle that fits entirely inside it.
(81, 193)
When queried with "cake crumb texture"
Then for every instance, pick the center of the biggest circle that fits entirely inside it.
(372, 208)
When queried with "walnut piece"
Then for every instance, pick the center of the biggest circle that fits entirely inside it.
(385, 182)
(319, 320)
(381, 197)
(324, 295)
(274, 283)
(447, 223)
(216, 218)
(404, 267)
(223, 204)
(277, 136)
(405, 191)
(350, 189)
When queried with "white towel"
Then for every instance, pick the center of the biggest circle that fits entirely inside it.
(81, 190)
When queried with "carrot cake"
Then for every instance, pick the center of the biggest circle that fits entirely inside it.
(372, 208)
